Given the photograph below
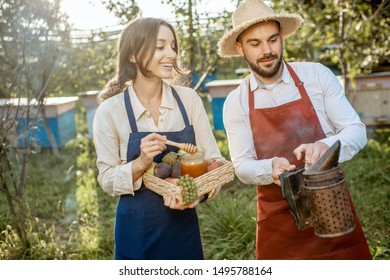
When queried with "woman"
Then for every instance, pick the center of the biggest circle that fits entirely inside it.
(139, 111)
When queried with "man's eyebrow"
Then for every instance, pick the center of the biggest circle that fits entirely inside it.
(252, 40)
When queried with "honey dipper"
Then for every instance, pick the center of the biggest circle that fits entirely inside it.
(187, 147)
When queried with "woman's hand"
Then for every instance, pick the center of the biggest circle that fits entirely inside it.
(213, 193)
(311, 152)
(151, 146)
(280, 165)
(171, 202)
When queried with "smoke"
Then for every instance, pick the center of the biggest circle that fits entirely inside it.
(286, 132)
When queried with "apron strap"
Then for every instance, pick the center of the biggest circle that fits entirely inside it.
(181, 107)
(297, 82)
(130, 112)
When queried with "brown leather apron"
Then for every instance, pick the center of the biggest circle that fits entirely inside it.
(277, 131)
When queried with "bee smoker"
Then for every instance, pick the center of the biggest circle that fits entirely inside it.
(318, 197)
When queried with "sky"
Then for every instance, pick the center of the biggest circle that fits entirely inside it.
(90, 14)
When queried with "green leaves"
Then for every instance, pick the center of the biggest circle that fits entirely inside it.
(351, 34)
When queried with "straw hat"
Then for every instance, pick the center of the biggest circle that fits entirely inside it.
(249, 13)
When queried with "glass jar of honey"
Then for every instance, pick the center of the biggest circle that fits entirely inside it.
(193, 164)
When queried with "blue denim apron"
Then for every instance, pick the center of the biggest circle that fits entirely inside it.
(145, 229)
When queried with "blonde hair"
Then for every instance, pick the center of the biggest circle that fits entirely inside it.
(138, 38)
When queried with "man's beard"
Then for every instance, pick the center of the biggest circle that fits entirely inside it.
(269, 72)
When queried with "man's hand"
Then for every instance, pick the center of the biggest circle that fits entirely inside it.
(310, 153)
(280, 165)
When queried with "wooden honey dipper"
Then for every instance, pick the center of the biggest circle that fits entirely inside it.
(187, 147)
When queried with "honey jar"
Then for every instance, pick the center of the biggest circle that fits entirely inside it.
(193, 164)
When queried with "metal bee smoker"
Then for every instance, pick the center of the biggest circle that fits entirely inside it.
(318, 197)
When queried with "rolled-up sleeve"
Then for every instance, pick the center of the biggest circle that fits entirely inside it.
(338, 118)
(241, 146)
(115, 175)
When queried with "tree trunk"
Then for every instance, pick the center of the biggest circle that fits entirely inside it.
(204, 75)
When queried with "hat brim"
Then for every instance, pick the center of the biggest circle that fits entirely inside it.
(289, 23)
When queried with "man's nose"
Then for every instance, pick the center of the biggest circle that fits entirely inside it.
(265, 48)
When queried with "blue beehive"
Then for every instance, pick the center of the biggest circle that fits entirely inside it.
(217, 109)
(88, 98)
(59, 112)
(218, 90)
(210, 77)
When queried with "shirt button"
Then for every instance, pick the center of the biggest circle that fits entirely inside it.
(161, 120)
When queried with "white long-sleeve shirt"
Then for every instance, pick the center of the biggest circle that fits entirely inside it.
(337, 117)
(111, 129)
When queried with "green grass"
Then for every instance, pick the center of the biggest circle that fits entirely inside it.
(228, 223)
(368, 178)
(71, 217)
(68, 210)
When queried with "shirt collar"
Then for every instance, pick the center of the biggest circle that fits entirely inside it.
(286, 77)
(256, 83)
(167, 101)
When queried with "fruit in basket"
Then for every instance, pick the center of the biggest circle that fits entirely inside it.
(188, 187)
(171, 158)
(214, 165)
(176, 170)
(171, 180)
(150, 169)
(162, 170)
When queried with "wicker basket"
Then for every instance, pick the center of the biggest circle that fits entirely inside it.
(205, 183)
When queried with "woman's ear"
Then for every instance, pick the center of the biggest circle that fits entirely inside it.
(132, 59)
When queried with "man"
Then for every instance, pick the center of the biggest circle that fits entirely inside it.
(281, 117)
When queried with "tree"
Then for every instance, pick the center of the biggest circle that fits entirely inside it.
(33, 36)
(351, 34)
(199, 33)
(122, 9)
(88, 63)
